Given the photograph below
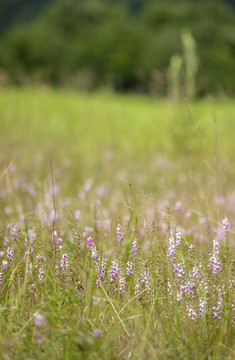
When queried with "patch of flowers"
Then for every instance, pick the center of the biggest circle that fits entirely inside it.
(135, 263)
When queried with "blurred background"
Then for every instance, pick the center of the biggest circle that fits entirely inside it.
(176, 48)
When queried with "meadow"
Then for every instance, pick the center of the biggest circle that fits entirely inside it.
(116, 226)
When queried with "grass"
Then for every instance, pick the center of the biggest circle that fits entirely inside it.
(107, 167)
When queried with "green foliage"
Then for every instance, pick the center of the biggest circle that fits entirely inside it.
(122, 45)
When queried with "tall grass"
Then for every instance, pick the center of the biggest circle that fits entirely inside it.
(116, 227)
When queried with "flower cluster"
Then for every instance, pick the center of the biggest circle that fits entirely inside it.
(122, 285)
(179, 271)
(191, 247)
(10, 254)
(64, 263)
(40, 275)
(119, 234)
(171, 246)
(100, 272)
(214, 259)
(129, 268)
(15, 232)
(178, 237)
(94, 252)
(56, 240)
(113, 273)
(145, 280)
(217, 309)
(89, 242)
(226, 226)
(202, 307)
(134, 249)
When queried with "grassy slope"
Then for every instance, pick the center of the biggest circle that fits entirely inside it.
(105, 135)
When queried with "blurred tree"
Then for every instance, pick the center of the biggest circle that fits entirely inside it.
(13, 12)
(124, 44)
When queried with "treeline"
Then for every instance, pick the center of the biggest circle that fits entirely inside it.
(125, 45)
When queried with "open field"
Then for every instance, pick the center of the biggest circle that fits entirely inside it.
(116, 227)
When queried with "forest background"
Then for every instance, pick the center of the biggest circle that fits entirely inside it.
(123, 45)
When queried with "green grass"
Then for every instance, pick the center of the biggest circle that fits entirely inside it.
(127, 160)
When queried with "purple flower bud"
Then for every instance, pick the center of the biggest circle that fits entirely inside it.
(178, 206)
(39, 320)
(89, 242)
(97, 333)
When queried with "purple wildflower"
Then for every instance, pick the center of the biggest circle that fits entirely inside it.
(113, 273)
(41, 275)
(53, 216)
(233, 314)
(178, 237)
(93, 252)
(189, 288)
(144, 280)
(101, 269)
(195, 273)
(39, 320)
(107, 225)
(137, 287)
(39, 337)
(134, 249)
(4, 264)
(57, 270)
(31, 235)
(214, 259)
(217, 310)
(226, 226)
(191, 312)
(169, 290)
(190, 249)
(231, 284)
(171, 246)
(122, 284)
(129, 268)
(178, 206)
(201, 307)
(89, 242)
(57, 240)
(15, 232)
(30, 268)
(77, 215)
(179, 271)
(29, 252)
(119, 233)
(10, 254)
(64, 263)
(7, 210)
(97, 333)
